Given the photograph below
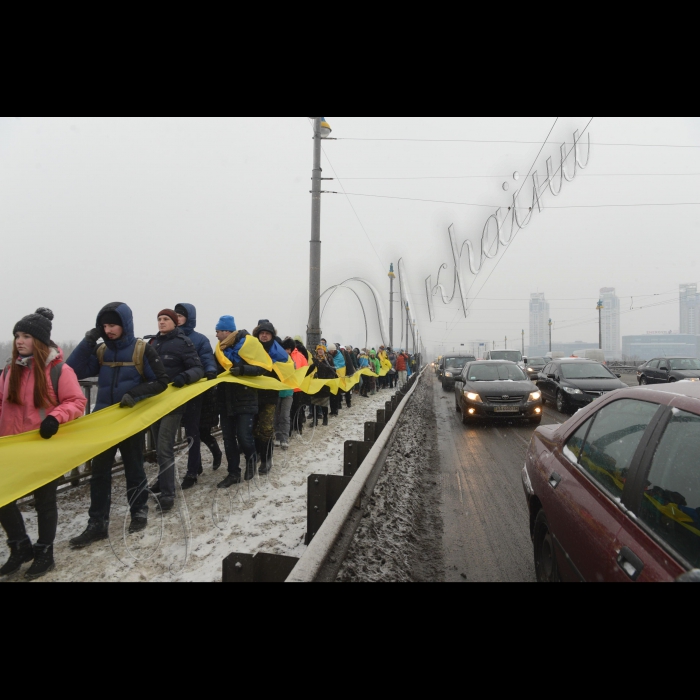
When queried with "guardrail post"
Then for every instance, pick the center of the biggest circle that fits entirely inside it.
(388, 411)
(324, 491)
(370, 432)
(261, 568)
(381, 422)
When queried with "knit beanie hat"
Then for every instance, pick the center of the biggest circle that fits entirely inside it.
(170, 314)
(289, 344)
(180, 309)
(110, 318)
(226, 323)
(265, 326)
(38, 325)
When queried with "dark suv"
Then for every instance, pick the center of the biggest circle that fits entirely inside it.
(664, 370)
(573, 384)
(451, 367)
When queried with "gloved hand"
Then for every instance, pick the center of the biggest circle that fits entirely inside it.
(179, 381)
(237, 371)
(211, 376)
(49, 427)
(250, 371)
(93, 335)
(127, 401)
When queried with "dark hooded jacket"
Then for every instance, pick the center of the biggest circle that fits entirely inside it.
(115, 382)
(201, 342)
(277, 354)
(179, 356)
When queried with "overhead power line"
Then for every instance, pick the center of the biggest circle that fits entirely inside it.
(527, 143)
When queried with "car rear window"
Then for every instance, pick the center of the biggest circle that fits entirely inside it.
(671, 503)
(605, 446)
(496, 373)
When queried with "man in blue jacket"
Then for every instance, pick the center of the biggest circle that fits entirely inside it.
(187, 320)
(128, 371)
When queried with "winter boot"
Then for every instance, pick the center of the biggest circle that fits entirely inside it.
(20, 553)
(189, 482)
(218, 458)
(43, 562)
(165, 505)
(325, 417)
(229, 481)
(138, 524)
(251, 469)
(93, 533)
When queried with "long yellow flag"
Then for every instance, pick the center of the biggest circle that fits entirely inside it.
(27, 462)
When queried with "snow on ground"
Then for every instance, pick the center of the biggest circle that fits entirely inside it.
(267, 515)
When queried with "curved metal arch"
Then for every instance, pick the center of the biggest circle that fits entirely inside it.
(335, 288)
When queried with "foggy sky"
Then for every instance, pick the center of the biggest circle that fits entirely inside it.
(215, 211)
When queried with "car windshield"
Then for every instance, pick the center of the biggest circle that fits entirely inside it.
(685, 365)
(456, 362)
(537, 361)
(507, 356)
(496, 373)
(587, 370)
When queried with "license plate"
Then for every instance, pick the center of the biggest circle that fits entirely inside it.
(507, 409)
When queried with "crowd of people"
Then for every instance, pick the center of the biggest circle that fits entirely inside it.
(40, 390)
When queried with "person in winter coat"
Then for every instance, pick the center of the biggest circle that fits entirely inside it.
(128, 370)
(187, 322)
(338, 360)
(283, 417)
(238, 404)
(264, 431)
(393, 374)
(209, 419)
(375, 366)
(402, 367)
(182, 363)
(350, 370)
(28, 401)
(320, 402)
(300, 356)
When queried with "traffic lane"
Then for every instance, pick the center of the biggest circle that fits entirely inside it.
(486, 522)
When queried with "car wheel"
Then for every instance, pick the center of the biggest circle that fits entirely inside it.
(561, 402)
(644, 381)
(672, 380)
(546, 567)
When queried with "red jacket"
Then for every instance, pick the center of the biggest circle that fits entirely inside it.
(22, 419)
(299, 362)
(402, 363)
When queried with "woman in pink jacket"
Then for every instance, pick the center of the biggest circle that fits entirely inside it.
(29, 402)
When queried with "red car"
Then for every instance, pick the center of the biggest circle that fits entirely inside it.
(614, 493)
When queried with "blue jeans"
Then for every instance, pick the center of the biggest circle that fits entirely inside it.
(164, 436)
(101, 482)
(190, 422)
(238, 438)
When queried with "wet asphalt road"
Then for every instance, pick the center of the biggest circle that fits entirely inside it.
(486, 523)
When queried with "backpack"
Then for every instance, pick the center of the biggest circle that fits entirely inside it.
(137, 359)
(55, 375)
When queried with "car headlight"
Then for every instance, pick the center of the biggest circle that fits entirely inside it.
(448, 374)
(474, 397)
(535, 396)
(571, 390)
(530, 369)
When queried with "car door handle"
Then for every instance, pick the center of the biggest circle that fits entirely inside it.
(554, 480)
(630, 563)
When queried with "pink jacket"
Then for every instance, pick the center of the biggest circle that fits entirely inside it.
(299, 362)
(22, 419)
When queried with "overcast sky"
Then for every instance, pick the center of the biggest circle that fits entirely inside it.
(215, 211)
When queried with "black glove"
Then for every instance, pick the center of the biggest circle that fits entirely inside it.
(179, 381)
(211, 376)
(127, 401)
(236, 371)
(93, 335)
(49, 427)
(250, 371)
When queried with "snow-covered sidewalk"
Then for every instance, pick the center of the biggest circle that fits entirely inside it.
(207, 524)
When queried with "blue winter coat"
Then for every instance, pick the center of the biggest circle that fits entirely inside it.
(201, 342)
(114, 382)
(339, 360)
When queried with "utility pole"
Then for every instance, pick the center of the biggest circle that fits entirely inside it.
(523, 343)
(600, 307)
(392, 277)
(313, 331)
(408, 324)
(506, 342)
(550, 335)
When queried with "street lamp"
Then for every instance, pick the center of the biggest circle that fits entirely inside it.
(550, 335)
(600, 308)
(322, 130)
(392, 277)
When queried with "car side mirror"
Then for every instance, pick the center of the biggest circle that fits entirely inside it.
(551, 376)
(459, 380)
(619, 376)
(665, 369)
(690, 577)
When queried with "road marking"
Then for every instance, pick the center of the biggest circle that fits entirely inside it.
(459, 482)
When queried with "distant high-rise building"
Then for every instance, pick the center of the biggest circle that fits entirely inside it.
(690, 310)
(539, 324)
(612, 334)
